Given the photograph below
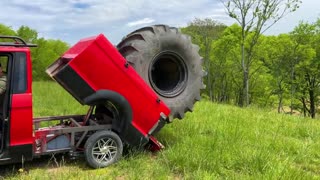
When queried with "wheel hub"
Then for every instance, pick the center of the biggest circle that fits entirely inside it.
(104, 150)
(168, 74)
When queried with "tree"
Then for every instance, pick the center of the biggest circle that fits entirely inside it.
(28, 34)
(277, 54)
(203, 33)
(226, 70)
(305, 74)
(47, 51)
(6, 30)
(255, 17)
(45, 54)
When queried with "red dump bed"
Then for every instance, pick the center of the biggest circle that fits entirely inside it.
(93, 69)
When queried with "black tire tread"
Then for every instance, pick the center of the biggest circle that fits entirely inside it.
(138, 39)
(132, 37)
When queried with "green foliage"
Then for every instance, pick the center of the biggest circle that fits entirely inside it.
(213, 142)
(254, 17)
(47, 52)
(276, 55)
(6, 30)
(28, 34)
(204, 33)
(283, 70)
(226, 71)
(306, 76)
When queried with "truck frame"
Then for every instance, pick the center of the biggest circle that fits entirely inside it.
(122, 108)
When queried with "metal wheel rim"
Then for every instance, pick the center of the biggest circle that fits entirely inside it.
(104, 150)
(160, 81)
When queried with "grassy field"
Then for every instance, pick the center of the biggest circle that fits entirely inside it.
(213, 142)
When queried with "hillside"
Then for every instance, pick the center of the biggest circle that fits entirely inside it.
(215, 141)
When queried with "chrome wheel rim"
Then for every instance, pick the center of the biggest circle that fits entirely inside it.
(104, 150)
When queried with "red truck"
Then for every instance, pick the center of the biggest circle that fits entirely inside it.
(122, 106)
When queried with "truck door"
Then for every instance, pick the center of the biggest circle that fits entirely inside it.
(16, 107)
(19, 110)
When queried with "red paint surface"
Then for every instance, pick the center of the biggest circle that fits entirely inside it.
(21, 120)
(100, 64)
(20, 109)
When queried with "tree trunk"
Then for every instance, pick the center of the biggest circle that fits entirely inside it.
(240, 97)
(245, 76)
(312, 104)
(305, 109)
(280, 103)
(209, 82)
(246, 87)
(224, 88)
(312, 96)
(280, 95)
(292, 89)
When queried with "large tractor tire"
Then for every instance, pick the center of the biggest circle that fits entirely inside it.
(169, 62)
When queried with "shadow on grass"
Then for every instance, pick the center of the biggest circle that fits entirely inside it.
(52, 162)
(44, 162)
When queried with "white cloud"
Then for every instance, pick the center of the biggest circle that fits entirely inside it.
(81, 17)
(141, 22)
(71, 20)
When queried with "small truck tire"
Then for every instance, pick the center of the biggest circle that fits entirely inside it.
(168, 62)
(102, 149)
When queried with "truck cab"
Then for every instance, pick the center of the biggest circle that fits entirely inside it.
(122, 108)
(16, 127)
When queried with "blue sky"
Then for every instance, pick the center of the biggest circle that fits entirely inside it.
(71, 20)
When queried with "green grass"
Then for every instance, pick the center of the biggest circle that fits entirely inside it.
(51, 99)
(214, 142)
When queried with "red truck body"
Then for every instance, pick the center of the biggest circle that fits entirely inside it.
(94, 64)
(20, 111)
(94, 73)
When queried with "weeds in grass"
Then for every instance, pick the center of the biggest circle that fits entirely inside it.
(213, 142)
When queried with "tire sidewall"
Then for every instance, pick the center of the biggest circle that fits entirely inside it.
(141, 47)
(171, 42)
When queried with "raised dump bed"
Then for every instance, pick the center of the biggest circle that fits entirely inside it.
(95, 73)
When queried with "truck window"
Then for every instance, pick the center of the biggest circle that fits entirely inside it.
(20, 73)
(4, 59)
